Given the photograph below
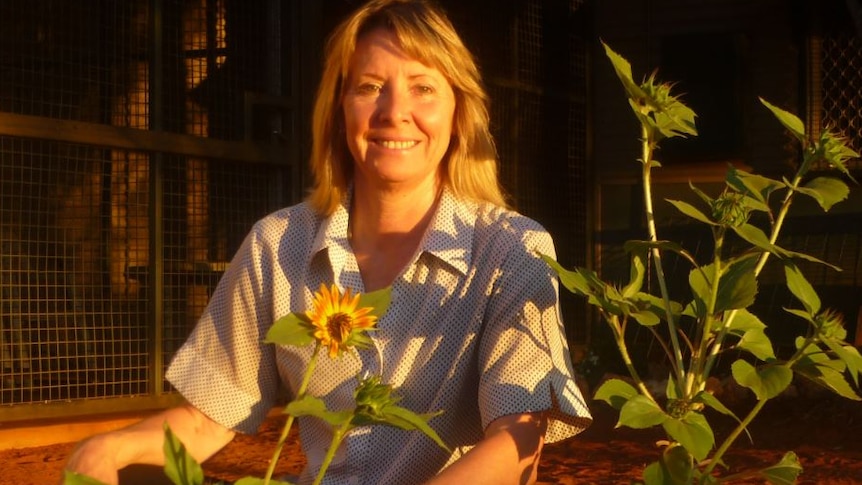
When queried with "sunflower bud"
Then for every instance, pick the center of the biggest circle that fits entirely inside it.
(729, 209)
(831, 324)
(373, 397)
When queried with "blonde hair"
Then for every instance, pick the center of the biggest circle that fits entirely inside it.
(424, 32)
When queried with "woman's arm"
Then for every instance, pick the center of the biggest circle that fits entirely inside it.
(101, 456)
(509, 454)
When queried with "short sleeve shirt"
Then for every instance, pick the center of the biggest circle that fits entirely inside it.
(473, 330)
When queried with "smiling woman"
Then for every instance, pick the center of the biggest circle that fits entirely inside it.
(397, 114)
(406, 198)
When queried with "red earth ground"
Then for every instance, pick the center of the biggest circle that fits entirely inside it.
(824, 431)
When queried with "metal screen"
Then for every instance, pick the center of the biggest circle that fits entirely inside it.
(842, 87)
(131, 168)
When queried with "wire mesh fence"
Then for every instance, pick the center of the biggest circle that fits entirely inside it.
(842, 88)
(110, 242)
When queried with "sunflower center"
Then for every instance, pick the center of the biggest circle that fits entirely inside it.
(338, 326)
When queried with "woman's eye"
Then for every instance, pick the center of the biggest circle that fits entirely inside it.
(368, 89)
(424, 89)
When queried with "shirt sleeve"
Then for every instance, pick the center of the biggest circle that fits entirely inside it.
(223, 368)
(524, 357)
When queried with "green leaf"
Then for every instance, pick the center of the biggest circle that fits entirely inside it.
(766, 382)
(789, 120)
(828, 377)
(640, 412)
(635, 245)
(801, 288)
(755, 186)
(655, 305)
(750, 329)
(833, 148)
(745, 321)
(692, 432)
(615, 392)
(814, 355)
(646, 318)
(691, 211)
(701, 194)
(624, 72)
(180, 467)
(72, 478)
(313, 406)
(786, 472)
(758, 343)
(678, 465)
(572, 280)
(713, 402)
(847, 354)
(654, 474)
(801, 314)
(827, 191)
(405, 419)
(378, 300)
(671, 390)
(665, 114)
(737, 286)
(700, 282)
(636, 272)
(292, 329)
(675, 119)
(786, 253)
(756, 237)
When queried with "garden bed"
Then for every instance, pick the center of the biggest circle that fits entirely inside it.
(825, 431)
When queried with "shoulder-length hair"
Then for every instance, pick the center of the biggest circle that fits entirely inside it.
(469, 168)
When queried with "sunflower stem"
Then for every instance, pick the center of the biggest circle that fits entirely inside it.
(306, 378)
(337, 438)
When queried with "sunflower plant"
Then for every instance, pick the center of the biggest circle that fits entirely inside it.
(749, 213)
(337, 323)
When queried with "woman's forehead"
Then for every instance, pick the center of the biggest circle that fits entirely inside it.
(383, 45)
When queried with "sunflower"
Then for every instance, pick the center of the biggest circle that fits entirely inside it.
(338, 324)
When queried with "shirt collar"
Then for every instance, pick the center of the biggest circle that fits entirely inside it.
(332, 234)
(449, 238)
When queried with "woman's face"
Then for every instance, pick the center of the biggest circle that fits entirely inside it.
(398, 115)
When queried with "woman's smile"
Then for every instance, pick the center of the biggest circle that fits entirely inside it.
(398, 115)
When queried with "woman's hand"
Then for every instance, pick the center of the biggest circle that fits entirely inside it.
(509, 453)
(102, 456)
(95, 458)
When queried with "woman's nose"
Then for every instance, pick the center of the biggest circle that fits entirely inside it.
(394, 107)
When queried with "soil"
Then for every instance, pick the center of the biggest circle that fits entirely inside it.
(825, 432)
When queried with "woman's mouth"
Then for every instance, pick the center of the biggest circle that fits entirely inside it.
(397, 144)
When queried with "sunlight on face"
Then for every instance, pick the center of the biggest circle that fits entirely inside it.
(398, 115)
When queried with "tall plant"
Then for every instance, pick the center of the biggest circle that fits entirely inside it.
(722, 289)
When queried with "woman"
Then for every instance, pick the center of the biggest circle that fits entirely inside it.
(406, 196)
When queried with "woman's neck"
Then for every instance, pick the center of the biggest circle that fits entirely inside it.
(386, 230)
(380, 216)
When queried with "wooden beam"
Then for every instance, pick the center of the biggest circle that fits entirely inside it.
(138, 140)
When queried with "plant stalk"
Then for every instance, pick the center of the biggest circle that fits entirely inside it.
(773, 236)
(700, 360)
(653, 234)
(725, 445)
(306, 378)
(337, 438)
(627, 360)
